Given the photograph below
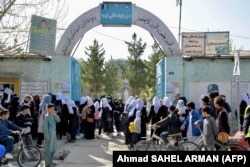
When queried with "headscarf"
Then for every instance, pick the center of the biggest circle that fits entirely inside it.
(83, 100)
(105, 103)
(181, 107)
(132, 107)
(244, 97)
(156, 104)
(130, 98)
(139, 104)
(70, 105)
(58, 96)
(46, 99)
(89, 101)
(97, 106)
(167, 102)
(199, 103)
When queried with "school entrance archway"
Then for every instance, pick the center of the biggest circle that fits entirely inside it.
(118, 14)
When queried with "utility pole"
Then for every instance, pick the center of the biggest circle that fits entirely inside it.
(179, 34)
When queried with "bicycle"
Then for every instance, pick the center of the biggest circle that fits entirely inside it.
(150, 144)
(28, 156)
(228, 145)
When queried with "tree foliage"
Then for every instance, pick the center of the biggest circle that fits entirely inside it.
(153, 59)
(136, 72)
(110, 78)
(93, 68)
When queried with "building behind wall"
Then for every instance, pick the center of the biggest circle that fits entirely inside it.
(38, 75)
(190, 77)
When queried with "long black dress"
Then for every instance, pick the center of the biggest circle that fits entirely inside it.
(90, 123)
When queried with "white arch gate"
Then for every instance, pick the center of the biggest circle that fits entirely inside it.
(139, 17)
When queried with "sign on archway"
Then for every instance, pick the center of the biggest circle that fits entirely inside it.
(118, 14)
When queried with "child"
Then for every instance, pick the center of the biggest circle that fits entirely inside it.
(24, 121)
(97, 115)
(137, 129)
(209, 128)
(7, 128)
(172, 122)
(50, 120)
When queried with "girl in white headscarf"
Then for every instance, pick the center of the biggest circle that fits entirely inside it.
(126, 107)
(153, 114)
(90, 119)
(167, 102)
(181, 111)
(105, 117)
(97, 114)
(137, 128)
(73, 112)
(83, 114)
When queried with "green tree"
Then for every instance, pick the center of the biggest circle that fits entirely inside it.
(136, 72)
(153, 59)
(110, 78)
(93, 68)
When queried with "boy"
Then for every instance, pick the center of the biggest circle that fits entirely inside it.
(209, 128)
(7, 128)
(50, 120)
(172, 122)
(24, 121)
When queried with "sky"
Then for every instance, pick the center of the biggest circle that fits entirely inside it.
(197, 16)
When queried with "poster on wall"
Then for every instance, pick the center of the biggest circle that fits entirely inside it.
(169, 87)
(193, 44)
(65, 87)
(34, 88)
(205, 43)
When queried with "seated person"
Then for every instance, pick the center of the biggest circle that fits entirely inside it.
(24, 121)
(7, 128)
(171, 121)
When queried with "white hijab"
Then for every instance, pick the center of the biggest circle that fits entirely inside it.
(105, 103)
(156, 104)
(89, 101)
(181, 107)
(96, 105)
(70, 105)
(132, 107)
(199, 103)
(139, 104)
(167, 102)
(83, 100)
(58, 96)
(245, 98)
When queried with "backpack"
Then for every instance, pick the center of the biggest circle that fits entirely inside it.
(131, 127)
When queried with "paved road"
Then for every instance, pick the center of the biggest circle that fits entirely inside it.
(91, 153)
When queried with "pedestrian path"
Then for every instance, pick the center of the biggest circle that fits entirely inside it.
(92, 153)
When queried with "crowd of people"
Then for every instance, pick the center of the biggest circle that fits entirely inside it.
(93, 117)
